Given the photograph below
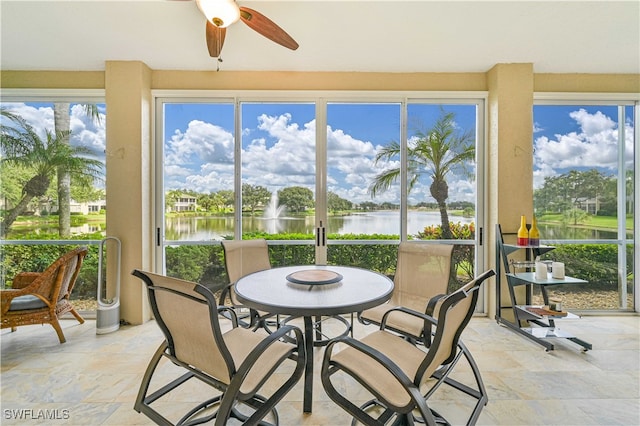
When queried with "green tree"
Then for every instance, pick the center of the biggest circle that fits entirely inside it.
(436, 152)
(254, 196)
(62, 128)
(206, 201)
(585, 185)
(574, 216)
(335, 203)
(83, 191)
(12, 181)
(296, 198)
(21, 146)
(553, 196)
(225, 199)
(368, 206)
(561, 194)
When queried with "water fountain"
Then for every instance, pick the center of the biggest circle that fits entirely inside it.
(272, 215)
(273, 210)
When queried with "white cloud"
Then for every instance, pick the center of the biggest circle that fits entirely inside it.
(84, 131)
(595, 145)
(537, 128)
(200, 143)
(40, 118)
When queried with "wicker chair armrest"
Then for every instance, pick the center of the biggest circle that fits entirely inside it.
(40, 286)
(23, 279)
(7, 296)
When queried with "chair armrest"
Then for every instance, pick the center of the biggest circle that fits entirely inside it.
(429, 320)
(232, 316)
(7, 296)
(23, 279)
(260, 348)
(224, 294)
(431, 306)
(376, 355)
(426, 329)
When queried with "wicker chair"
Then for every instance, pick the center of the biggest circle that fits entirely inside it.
(43, 297)
(238, 362)
(422, 273)
(402, 376)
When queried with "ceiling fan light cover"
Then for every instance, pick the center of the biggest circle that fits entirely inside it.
(220, 13)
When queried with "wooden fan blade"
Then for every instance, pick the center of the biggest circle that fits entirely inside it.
(215, 39)
(266, 27)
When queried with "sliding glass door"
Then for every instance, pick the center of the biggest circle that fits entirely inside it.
(585, 178)
(328, 181)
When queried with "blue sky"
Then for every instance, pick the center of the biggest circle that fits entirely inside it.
(578, 138)
(278, 143)
(279, 147)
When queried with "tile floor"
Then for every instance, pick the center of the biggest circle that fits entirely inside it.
(93, 379)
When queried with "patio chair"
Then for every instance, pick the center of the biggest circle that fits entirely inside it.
(422, 272)
(43, 297)
(242, 257)
(237, 362)
(402, 376)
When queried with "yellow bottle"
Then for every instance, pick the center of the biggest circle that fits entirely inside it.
(523, 232)
(534, 233)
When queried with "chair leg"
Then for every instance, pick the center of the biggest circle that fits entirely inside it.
(142, 402)
(77, 315)
(56, 326)
(479, 393)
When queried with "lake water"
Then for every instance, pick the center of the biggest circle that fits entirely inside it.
(379, 222)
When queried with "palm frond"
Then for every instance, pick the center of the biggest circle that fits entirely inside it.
(383, 181)
(388, 152)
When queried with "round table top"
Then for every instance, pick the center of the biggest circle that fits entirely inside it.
(271, 291)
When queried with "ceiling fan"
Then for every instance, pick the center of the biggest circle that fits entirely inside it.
(222, 13)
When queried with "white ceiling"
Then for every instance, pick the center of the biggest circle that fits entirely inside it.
(339, 35)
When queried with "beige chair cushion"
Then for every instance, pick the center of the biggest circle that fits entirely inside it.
(243, 257)
(405, 355)
(396, 320)
(241, 342)
(422, 272)
(189, 322)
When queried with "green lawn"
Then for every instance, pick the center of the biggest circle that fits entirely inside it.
(600, 222)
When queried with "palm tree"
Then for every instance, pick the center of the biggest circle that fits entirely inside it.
(62, 125)
(21, 146)
(436, 152)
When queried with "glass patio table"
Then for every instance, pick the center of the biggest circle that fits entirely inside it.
(311, 291)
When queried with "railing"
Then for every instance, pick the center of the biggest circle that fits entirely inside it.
(597, 261)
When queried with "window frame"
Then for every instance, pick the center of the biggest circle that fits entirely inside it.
(320, 99)
(620, 100)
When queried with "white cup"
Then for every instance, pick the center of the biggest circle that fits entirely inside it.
(557, 270)
(541, 271)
